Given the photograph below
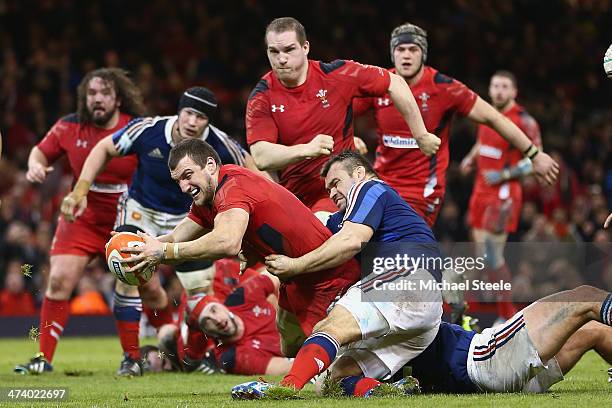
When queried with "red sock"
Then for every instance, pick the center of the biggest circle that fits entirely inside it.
(128, 336)
(159, 317)
(505, 307)
(127, 310)
(53, 319)
(317, 353)
(364, 385)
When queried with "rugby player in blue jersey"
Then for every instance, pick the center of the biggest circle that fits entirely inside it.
(529, 353)
(379, 332)
(155, 204)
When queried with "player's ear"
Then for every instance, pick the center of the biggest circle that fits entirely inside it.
(306, 47)
(359, 172)
(211, 164)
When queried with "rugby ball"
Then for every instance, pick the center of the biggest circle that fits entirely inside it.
(114, 257)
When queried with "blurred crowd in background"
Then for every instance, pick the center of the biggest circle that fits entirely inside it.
(555, 48)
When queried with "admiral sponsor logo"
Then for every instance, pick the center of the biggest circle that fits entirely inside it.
(399, 142)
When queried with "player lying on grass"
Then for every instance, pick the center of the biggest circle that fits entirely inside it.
(530, 353)
(380, 331)
(242, 329)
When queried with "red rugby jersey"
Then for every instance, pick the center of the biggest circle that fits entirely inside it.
(70, 137)
(261, 340)
(497, 154)
(278, 222)
(399, 161)
(321, 105)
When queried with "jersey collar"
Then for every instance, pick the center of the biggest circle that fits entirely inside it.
(168, 129)
(170, 124)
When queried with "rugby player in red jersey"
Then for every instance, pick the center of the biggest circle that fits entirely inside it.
(243, 325)
(495, 205)
(419, 179)
(301, 111)
(235, 208)
(107, 99)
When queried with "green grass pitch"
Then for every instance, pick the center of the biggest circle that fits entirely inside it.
(96, 359)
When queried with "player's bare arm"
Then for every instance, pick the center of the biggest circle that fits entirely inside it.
(250, 164)
(405, 103)
(468, 164)
(544, 167)
(360, 145)
(274, 156)
(608, 221)
(38, 166)
(338, 249)
(96, 161)
(225, 240)
(186, 230)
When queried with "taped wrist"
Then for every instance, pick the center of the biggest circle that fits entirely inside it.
(531, 152)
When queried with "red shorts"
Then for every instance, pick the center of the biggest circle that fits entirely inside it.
(429, 212)
(493, 214)
(309, 302)
(80, 238)
(90, 232)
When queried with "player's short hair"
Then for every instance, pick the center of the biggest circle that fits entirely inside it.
(282, 24)
(507, 74)
(127, 92)
(196, 149)
(350, 160)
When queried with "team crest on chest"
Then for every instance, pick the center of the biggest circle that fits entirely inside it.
(279, 108)
(322, 95)
(424, 97)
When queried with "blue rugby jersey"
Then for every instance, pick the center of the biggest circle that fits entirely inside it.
(376, 204)
(150, 139)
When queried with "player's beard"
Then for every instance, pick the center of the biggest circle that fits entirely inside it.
(210, 194)
(207, 191)
(101, 120)
(502, 105)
